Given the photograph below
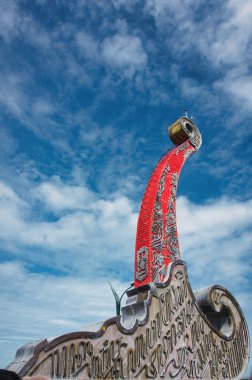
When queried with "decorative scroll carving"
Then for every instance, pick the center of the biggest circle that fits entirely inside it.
(178, 336)
(158, 241)
(142, 263)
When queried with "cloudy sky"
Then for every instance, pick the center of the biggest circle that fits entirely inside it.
(87, 91)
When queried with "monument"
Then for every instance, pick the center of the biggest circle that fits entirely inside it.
(164, 330)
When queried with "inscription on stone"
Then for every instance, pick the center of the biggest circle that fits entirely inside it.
(175, 340)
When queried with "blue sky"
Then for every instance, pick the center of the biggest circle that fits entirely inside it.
(88, 89)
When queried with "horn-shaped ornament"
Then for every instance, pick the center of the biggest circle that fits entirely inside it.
(157, 242)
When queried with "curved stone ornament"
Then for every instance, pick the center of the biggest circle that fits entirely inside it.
(165, 331)
(157, 234)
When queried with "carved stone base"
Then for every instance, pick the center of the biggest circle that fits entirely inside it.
(164, 331)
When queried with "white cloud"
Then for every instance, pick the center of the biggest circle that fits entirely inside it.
(12, 96)
(8, 143)
(121, 51)
(220, 217)
(222, 37)
(87, 225)
(124, 50)
(14, 23)
(33, 111)
(58, 196)
(230, 42)
(42, 106)
(8, 19)
(83, 224)
(48, 305)
(87, 45)
(238, 85)
(36, 289)
(9, 196)
(216, 237)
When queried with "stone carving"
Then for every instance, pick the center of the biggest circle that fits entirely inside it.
(163, 332)
(158, 241)
(142, 263)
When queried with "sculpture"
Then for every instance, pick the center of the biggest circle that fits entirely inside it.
(165, 330)
(157, 238)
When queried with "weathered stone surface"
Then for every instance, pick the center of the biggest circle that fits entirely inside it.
(164, 332)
